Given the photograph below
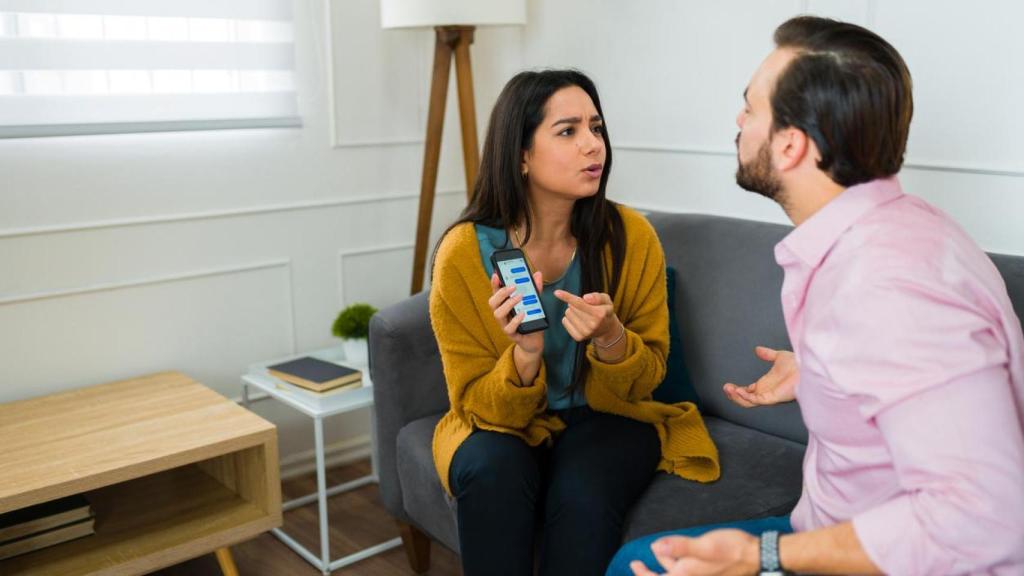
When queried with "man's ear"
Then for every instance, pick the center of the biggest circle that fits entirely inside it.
(790, 146)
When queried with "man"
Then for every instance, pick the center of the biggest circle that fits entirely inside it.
(907, 360)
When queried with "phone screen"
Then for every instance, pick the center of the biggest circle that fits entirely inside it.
(515, 272)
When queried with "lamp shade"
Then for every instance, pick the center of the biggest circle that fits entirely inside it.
(429, 13)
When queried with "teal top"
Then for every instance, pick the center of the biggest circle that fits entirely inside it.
(559, 347)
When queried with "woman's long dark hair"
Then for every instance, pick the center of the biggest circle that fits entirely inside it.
(500, 194)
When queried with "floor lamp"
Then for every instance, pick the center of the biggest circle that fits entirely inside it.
(454, 23)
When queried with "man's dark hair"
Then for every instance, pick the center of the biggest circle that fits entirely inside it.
(849, 91)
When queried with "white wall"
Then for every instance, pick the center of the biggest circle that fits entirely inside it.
(122, 255)
(671, 75)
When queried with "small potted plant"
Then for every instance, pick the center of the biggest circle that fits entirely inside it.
(353, 326)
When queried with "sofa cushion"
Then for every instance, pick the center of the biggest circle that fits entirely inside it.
(676, 387)
(424, 499)
(761, 476)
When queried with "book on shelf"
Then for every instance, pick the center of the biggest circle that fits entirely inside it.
(43, 525)
(316, 375)
(18, 523)
(47, 538)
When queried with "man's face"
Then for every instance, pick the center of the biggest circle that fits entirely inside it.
(756, 171)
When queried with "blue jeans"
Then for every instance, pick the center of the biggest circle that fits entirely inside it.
(640, 549)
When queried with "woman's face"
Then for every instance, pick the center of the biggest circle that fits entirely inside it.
(568, 152)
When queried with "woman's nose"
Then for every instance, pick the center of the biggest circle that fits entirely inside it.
(591, 142)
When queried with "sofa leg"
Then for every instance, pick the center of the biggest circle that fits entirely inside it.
(417, 547)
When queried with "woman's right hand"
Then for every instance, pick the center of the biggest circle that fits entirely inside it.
(502, 300)
(778, 385)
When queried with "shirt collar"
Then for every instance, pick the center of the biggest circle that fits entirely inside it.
(812, 240)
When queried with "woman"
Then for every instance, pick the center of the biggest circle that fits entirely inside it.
(553, 429)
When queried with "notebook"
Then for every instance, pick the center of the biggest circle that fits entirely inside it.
(315, 374)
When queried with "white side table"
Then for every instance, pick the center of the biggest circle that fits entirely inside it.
(318, 407)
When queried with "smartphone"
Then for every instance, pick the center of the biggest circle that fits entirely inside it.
(510, 264)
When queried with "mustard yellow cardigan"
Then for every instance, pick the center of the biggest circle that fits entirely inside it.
(483, 384)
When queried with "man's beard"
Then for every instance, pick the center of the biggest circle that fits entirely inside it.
(757, 175)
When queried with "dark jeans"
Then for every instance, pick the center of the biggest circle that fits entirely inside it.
(577, 493)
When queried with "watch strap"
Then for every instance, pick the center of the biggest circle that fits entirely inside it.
(771, 565)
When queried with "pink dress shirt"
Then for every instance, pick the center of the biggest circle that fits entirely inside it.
(911, 385)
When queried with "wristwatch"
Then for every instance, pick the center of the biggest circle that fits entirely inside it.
(770, 563)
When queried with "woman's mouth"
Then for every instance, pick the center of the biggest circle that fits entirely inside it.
(594, 170)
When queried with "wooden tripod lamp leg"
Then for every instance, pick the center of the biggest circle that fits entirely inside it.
(227, 562)
(449, 40)
(432, 152)
(467, 108)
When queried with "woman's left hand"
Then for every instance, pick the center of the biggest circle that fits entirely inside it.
(590, 316)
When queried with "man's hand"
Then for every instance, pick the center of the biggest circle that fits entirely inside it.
(778, 385)
(717, 553)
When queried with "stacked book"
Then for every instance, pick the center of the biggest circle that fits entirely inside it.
(317, 375)
(45, 525)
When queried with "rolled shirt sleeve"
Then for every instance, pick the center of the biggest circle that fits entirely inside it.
(958, 454)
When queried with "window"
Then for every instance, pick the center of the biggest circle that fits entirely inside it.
(113, 66)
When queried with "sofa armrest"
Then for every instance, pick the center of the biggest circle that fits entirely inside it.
(408, 384)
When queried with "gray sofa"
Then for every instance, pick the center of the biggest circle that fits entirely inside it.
(726, 302)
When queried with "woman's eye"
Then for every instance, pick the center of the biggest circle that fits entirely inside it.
(567, 132)
(598, 129)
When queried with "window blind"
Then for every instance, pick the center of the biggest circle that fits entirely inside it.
(113, 66)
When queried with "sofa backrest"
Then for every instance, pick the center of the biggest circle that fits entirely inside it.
(1012, 269)
(727, 302)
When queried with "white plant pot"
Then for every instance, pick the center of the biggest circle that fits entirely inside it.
(356, 350)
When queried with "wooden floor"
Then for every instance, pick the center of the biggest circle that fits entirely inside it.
(357, 520)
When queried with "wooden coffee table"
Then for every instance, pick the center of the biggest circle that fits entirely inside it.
(172, 469)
